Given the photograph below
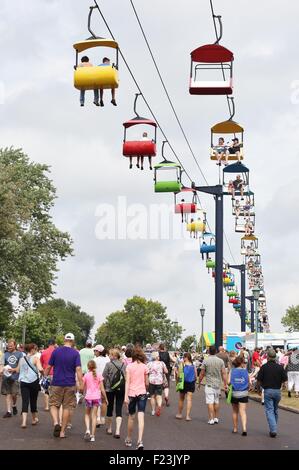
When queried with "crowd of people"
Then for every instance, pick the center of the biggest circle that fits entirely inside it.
(123, 379)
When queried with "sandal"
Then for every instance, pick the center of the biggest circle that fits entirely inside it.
(116, 436)
(57, 429)
(108, 432)
(178, 417)
(35, 422)
(128, 442)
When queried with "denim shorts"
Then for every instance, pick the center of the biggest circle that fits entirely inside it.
(139, 402)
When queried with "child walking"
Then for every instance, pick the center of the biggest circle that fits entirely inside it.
(94, 392)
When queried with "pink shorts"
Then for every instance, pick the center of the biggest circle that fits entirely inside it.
(92, 403)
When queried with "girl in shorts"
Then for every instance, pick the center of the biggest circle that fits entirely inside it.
(94, 392)
(135, 394)
(190, 377)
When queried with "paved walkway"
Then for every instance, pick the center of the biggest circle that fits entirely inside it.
(163, 433)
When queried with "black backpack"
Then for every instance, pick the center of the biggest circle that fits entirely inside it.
(118, 379)
(164, 357)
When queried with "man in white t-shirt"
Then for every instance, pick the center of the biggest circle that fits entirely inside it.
(213, 368)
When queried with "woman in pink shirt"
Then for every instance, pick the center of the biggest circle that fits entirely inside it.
(94, 390)
(135, 394)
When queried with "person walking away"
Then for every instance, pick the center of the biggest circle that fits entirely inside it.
(114, 381)
(293, 372)
(165, 357)
(101, 359)
(94, 394)
(222, 354)
(86, 355)
(28, 369)
(231, 357)
(256, 356)
(156, 369)
(213, 369)
(66, 363)
(135, 395)
(271, 377)
(10, 384)
(190, 377)
(44, 359)
(128, 354)
(239, 379)
(148, 352)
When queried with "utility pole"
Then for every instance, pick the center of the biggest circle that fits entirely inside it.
(217, 191)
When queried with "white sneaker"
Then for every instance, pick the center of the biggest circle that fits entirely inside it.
(211, 421)
(153, 413)
(216, 420)
(92, 439)
(87, 436)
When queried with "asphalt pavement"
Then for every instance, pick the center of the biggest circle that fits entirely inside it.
(161, 433)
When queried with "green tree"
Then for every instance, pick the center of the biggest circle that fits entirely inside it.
(6, 311)
(141, 321)
(30, 244)
(70, 317)
(53, 319)
(39, 328)
(291, 319)
(187, 343)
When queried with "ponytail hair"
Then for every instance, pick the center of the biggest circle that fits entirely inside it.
(92, 367)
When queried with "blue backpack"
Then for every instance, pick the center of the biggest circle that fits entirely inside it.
(239, 379)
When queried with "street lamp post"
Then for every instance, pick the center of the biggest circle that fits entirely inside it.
(202, 313)
(256, 294)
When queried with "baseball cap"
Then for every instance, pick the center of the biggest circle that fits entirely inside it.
(89, 341)
(69, 337)
(99, 347)
(271, 353)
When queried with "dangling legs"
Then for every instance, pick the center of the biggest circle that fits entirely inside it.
(131, 162)
(82, 97)
(101, 97)
(142, 160)
(150, 162)
(113, 97)
(96, 97)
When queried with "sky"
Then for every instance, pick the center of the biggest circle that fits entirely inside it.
(112, 212)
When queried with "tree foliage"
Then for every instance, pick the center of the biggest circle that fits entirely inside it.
(291, 319)
(141, 321)
(187, 344)
(53, 319)
(30, 243)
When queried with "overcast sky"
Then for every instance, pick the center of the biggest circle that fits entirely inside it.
(40, 112)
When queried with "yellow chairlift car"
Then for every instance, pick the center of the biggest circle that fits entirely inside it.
(224, 150)
(96, 77)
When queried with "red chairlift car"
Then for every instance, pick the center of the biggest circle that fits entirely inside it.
(211, 57)
(185, 206)
(143, 147)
